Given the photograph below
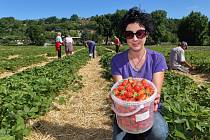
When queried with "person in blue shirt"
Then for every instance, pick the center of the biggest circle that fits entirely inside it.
(91, 45)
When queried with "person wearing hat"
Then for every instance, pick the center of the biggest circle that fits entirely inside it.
(177, 58)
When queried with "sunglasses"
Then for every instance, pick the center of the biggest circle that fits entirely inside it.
(139, 34)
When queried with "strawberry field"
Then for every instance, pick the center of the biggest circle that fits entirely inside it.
(29, 94)
(185, 104)
(13, 58)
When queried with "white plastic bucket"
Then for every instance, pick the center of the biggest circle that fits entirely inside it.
(134, 117)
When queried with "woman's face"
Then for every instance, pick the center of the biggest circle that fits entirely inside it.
(136, 42)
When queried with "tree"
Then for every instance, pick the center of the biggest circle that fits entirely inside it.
(36, 35)
(51, 20)
(172, 27)
(84, 36)
(209, 28)
(193, 28)
(160, 20)
(104, 26)
(116, 23)
(74, 17)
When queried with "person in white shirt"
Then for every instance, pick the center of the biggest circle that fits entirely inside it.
(177, 58)
(68, 42)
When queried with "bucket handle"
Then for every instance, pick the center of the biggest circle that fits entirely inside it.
(129, 113)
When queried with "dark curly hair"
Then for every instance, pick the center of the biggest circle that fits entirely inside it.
(134, 15)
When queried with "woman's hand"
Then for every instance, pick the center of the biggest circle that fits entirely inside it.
(156, 102)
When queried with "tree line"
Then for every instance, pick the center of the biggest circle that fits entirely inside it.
(194, 28)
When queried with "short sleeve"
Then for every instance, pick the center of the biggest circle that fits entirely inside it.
(160, 64)
(114, 67)
(182, 57)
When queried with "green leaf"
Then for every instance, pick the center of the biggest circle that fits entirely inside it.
(7, 138)
(26, 109)
(34, 109)
(3, 132)
(179, 121)
(20, 123)
(61, 100)
(188, 126)
(199, 127)
(180, 134)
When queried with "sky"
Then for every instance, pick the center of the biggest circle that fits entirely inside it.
(37, 9)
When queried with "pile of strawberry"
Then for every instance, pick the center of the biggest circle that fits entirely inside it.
(133, 90)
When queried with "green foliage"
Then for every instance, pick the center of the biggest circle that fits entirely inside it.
(29, 56)
(74, 17)
(209, 29)
(159, 18)
(30, 93)
(84, 36)
(105, 61)
(201, 59)
(116, 20)
(186, 108)
(61, 100)
(36, 35)
(193, 28)
(106, 26)
(52, 19)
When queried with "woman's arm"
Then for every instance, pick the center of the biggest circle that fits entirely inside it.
(158, 81)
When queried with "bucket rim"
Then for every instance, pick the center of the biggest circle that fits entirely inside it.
(122, 102)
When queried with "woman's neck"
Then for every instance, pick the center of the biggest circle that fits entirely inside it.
(137, 59)
(137, 54)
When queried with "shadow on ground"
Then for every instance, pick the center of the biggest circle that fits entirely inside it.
(70, 132)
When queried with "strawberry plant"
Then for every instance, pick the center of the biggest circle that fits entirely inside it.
(186, 108)
(30, 94)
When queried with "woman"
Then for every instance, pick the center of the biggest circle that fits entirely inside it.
(68, 42)
(141, 62)
(58, 43)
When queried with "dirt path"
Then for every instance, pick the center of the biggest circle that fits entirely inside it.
(7, 74)
(50, 59)
(199, 78)
(83, 117)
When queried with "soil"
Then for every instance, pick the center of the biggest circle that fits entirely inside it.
(84, 116)
(12, 57)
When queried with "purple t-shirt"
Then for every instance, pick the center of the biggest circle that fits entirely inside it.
(155, 62)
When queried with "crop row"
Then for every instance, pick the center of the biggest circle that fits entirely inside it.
(13, 57)
(30, 93)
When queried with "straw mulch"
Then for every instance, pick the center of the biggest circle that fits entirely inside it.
(199, 78)
(84, 116)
